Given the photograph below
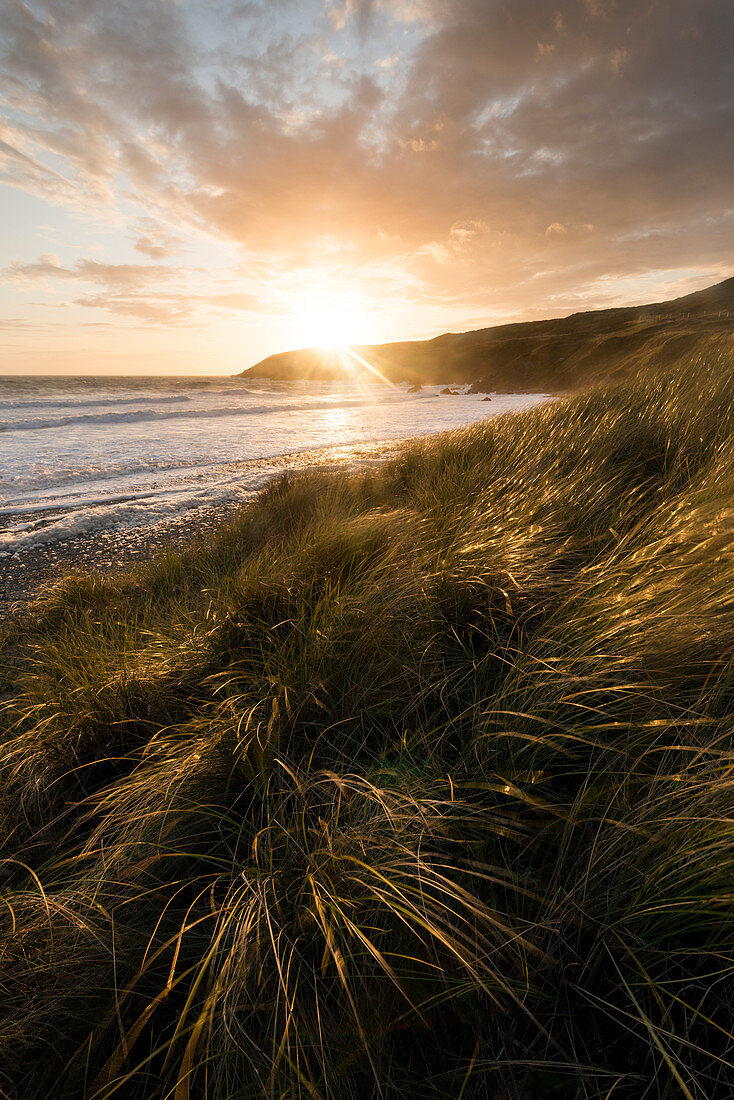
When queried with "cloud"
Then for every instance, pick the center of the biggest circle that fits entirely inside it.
(86, 271)
(533, 122)
(171, 308)
(364, 11)
(154, 293)
(154, 240)
(16, 324)
(128, 290)
(47, 266)
(19, 168)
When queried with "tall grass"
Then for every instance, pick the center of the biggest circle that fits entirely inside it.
(410, 784)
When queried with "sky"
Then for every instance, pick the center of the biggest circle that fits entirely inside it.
(187, 186)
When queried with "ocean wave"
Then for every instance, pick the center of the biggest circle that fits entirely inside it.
(40, 524)
(86, 402)
(133, 416)
(41, 480)
(113, 516)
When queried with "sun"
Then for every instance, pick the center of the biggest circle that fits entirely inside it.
(329, 320)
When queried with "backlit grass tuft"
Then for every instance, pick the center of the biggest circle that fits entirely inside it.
(409, 784)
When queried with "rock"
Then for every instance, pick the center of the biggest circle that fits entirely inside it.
(416, 388)
(486, 399)
(448, 391)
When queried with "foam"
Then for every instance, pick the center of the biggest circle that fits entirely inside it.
(122, 455)
(157, 414)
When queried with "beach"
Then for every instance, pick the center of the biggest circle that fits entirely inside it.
(102, 473)
(29, 570)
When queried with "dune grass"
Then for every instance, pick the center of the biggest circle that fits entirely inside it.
(414, 784)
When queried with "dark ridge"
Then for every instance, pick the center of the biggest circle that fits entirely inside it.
(545, 356)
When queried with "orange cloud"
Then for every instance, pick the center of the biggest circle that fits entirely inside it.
(462, 144)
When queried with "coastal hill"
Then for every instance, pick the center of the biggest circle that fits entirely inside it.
(560, 354)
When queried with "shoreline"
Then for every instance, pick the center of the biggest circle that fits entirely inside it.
(26, 573)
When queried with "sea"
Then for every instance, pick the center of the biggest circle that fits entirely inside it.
(82, 455)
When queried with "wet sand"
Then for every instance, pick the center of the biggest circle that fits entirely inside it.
(27, 572)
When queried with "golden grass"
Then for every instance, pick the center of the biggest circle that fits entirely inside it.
(408, 784)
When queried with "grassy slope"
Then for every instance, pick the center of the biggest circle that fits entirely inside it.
(415, 784)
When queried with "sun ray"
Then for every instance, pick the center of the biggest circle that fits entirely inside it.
(348, 351)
